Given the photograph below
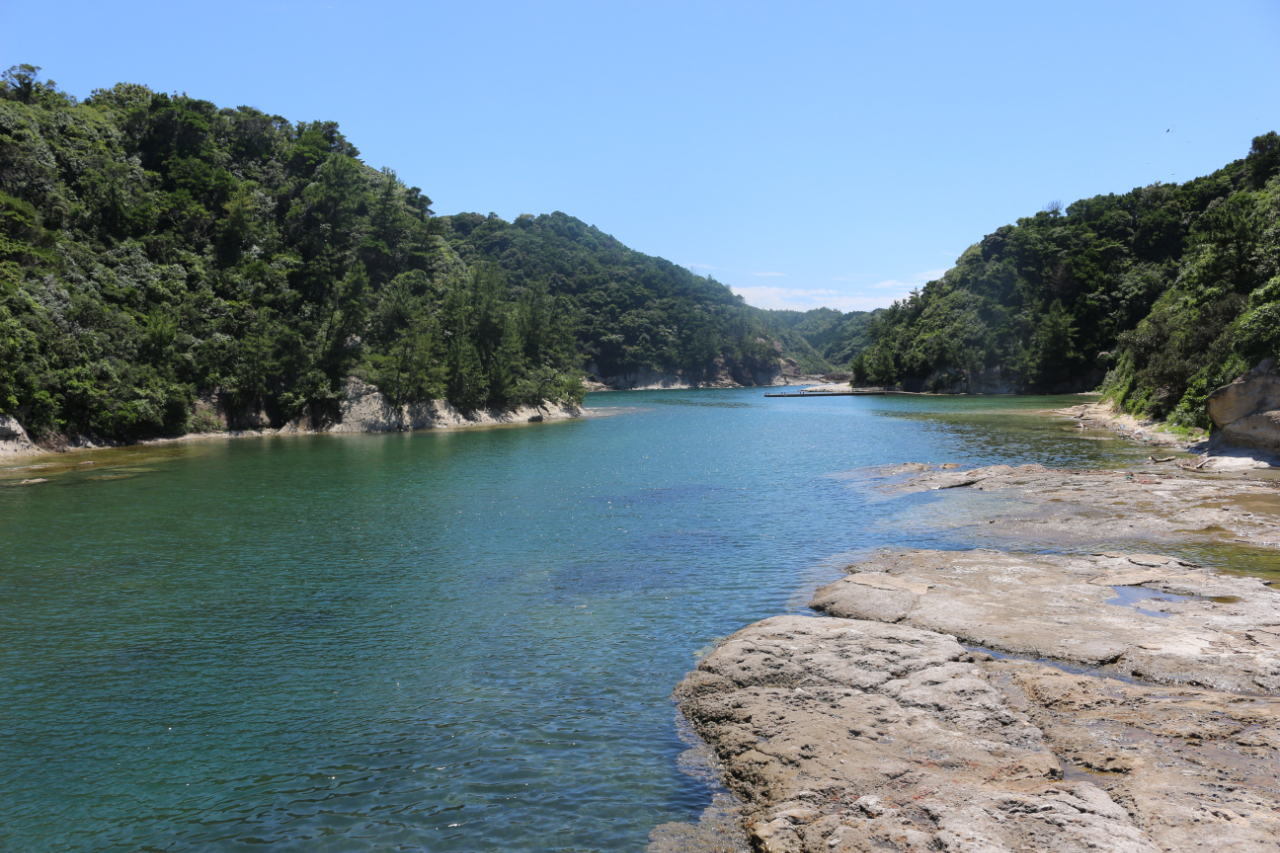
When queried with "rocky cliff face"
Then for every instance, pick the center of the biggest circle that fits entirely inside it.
(13, 439)
(1247, 412)
(365, 409)
(362, 409)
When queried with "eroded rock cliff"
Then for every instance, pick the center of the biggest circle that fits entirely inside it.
(1247, 412)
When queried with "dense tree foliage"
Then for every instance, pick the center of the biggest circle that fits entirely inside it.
(1160, 295)
(632, 310)
(154, 246)
(639, 311)
(834, 336)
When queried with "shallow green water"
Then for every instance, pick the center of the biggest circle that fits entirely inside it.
(441, 641)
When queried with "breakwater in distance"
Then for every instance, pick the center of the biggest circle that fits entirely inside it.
(447, 641)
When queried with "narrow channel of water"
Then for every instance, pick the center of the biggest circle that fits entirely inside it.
(445, 641)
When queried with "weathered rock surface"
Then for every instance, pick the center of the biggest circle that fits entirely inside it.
(1196, 769)
(839, 735)
(845, 735)
(365, 409)
(1259, 430)
(1066, 506)
(1247, 411)
(1249, 394)
(1145, 616)
(848, 735)
(13, 439)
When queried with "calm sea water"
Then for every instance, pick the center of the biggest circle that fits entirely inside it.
(444, 641)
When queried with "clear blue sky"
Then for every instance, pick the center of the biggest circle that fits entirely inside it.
(804, 153)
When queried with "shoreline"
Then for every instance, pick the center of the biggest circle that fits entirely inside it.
(1101, 414)
(1214, 452)
(370, 413)
(1011, 698)
(673, 382)
(363, 410)
(523, 416)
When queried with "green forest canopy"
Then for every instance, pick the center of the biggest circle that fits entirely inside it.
(154, 247)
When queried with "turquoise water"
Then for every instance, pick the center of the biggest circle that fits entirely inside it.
(445, 641)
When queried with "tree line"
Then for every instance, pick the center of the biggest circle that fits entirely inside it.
(1157, 296)
(154, 246)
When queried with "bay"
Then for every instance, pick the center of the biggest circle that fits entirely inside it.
(446, 641)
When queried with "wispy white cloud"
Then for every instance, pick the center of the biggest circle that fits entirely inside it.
(904, 284)
(702, 267)
(867, 297)
(902, 288)
(803, 299)
(769, 273)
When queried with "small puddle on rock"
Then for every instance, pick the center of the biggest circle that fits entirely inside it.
(1130, 596)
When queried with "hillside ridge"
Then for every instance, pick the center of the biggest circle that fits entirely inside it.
(157, 250)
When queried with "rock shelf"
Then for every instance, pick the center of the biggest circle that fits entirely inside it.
(1194, 627)
(851, 735)
(1070, 506)
(987, 701)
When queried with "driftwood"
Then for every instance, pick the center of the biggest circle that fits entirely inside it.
(1161, 459)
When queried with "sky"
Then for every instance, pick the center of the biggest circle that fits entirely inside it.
(806, 154)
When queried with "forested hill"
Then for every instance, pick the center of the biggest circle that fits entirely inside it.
(1158, 295)
(637, 310)
(835, 336)
(156, 247)
(632, 310)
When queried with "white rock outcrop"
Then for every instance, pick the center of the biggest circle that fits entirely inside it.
(365, 409)
(1247, 412)
(14, 441)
